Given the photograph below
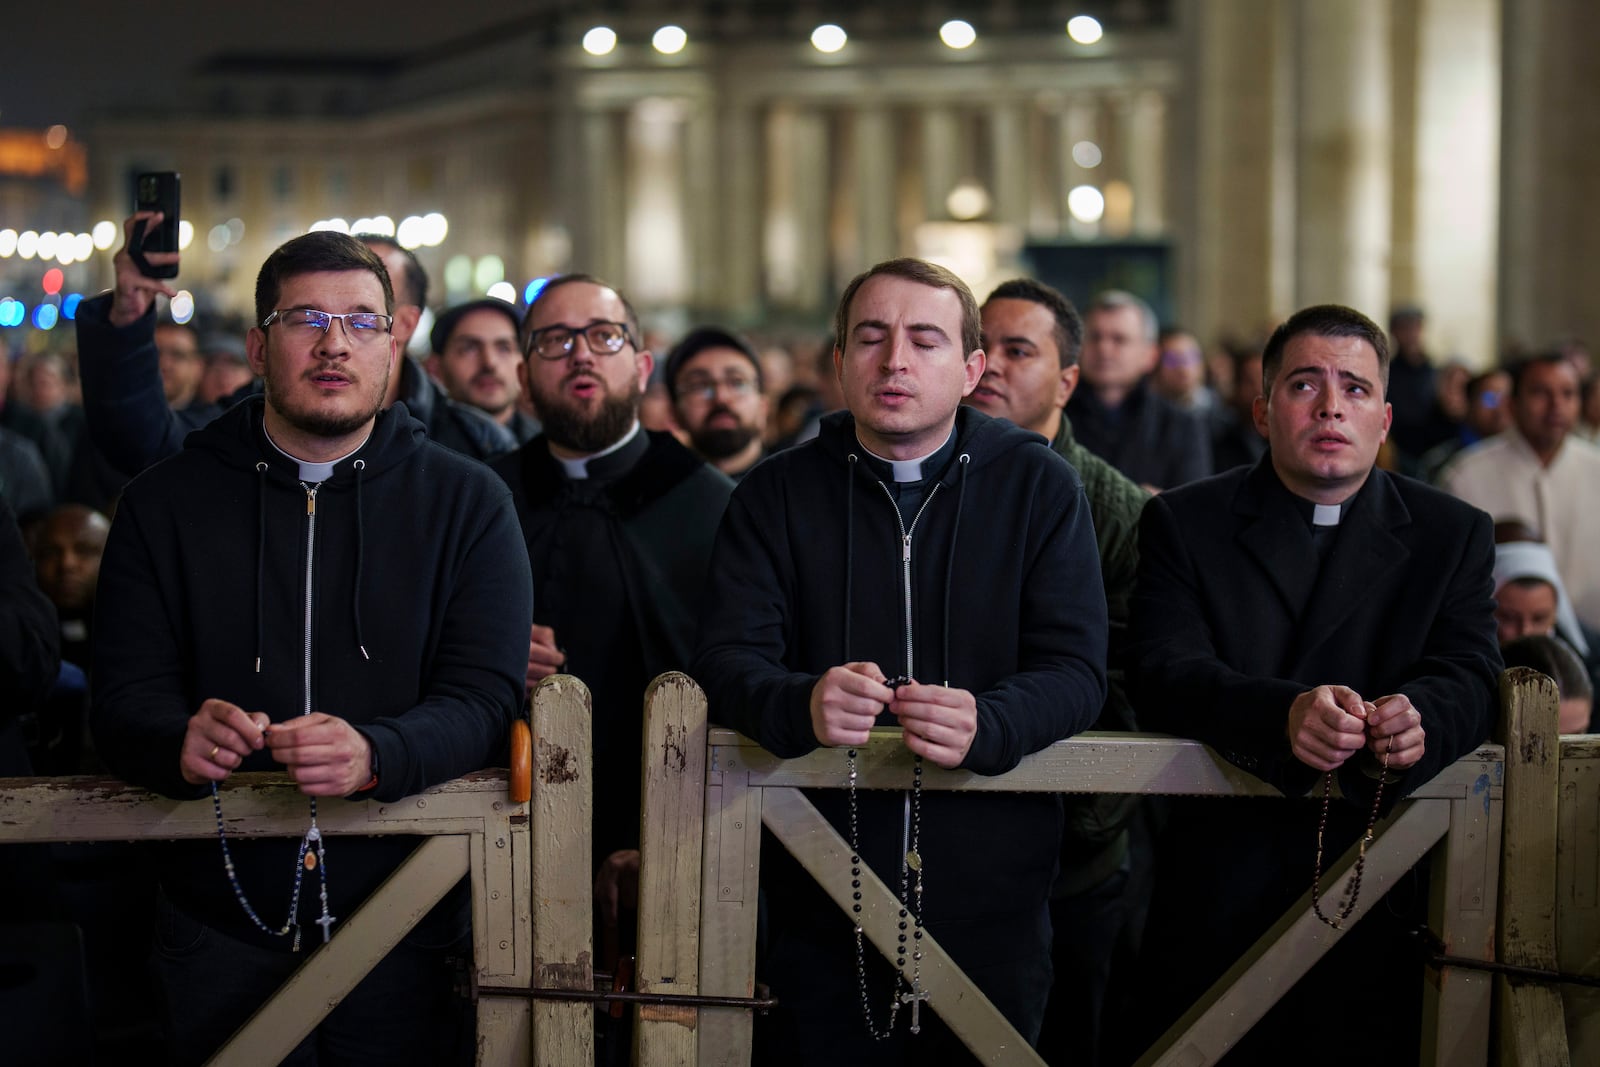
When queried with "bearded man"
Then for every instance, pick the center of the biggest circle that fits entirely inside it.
(619, 523)
(714, 379)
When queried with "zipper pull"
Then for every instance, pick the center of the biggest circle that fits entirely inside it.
(311, 501)
(905, 549)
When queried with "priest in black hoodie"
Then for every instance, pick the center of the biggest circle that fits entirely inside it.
(918, 540)
(310, 585)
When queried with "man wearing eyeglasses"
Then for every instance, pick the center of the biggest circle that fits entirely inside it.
(714, 380)
(125, 402)
(310, 586)
(618, 522)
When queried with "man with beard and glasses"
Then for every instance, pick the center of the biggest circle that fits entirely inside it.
(475, 357)
(310, 585)
(714, 378)
(619, 522)
(129, 419)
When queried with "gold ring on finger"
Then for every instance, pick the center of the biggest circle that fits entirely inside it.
(213, 753)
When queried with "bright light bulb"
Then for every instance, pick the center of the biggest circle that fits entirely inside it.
(185, 234)
(669, 40)
(45, 247)
(82, 247)
(503, 291)
(105, 234)
(958, 34)
(410, 232)
(600, 41)
(436, 228)
(8, 243)
(1086, 203)
(27, 244)
(1084, 29)
(182, 307)
(828, 38)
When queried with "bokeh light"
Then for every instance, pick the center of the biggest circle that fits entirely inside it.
(1086, 203)
(503, 291)
(669, 40)
(958, 34)
(52, 280)
(828, 38)
(182, 307)
(105, 234)
(600, 41)
(1084, 29)
(45, 316)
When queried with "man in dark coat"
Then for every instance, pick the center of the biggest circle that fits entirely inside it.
(1310, 614)
(920, 539)
(618, 522)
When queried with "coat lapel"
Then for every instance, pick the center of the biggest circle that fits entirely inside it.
(1365, 554)
(1275, 537)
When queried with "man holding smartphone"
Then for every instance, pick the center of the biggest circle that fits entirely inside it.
(310, 586)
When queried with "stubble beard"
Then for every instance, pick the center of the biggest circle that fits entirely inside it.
(321, 424)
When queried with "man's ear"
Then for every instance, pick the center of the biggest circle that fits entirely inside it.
(406, 317)
(1067, 385)
(1258, 415)
(255, 350)
(645, 362)
(976, 361)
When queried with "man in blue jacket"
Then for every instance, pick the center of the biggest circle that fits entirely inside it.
(310, 585)
(918, 564)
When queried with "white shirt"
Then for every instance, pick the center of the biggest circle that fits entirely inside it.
(1504, 477)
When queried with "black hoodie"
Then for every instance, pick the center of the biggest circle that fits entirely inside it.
(418, 592)
(1006, 602)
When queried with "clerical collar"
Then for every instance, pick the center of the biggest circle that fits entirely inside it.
(578, 469)
(316, 472)
(912, 470)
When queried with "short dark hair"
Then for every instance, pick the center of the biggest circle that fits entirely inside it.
(1540, 359)
(1480, 381)
(416, 277)
(1554, 657)
(447, 321)
(1324, 320)
(310, 253)
(1069, 324)
(1402, 313)
(1117, 299)
(567, 279)
(923, 273)
(696, 342)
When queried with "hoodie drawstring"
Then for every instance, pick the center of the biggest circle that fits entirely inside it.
(950, 562)
(355, 596)
(261, 550)
(849, 543)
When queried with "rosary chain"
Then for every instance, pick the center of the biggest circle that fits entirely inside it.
(1361, 854)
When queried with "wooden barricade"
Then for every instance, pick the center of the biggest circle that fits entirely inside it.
(1456, 818)
(1577, 898)
(528, 863)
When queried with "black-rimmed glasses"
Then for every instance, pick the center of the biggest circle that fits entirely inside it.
(557, 342)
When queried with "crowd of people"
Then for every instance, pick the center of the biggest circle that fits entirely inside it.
(991, 525)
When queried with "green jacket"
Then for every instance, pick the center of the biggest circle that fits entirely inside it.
(1096, 839)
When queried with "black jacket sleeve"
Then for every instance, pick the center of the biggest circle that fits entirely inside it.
(123, 399)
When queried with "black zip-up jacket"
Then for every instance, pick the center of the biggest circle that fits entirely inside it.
(410, 564)
(1006, 602)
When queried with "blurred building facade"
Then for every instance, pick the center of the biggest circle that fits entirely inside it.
(1246, 157)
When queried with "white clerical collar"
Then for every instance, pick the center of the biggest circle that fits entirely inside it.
(316, 472)
(1326, 514)
(907, 470)
(578, 469)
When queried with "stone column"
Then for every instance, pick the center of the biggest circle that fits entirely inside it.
(1343, 165)
(1454, 166)
(795, 241)
(656, 254)
(1008, 166)
(941, 160)
(873, 143)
